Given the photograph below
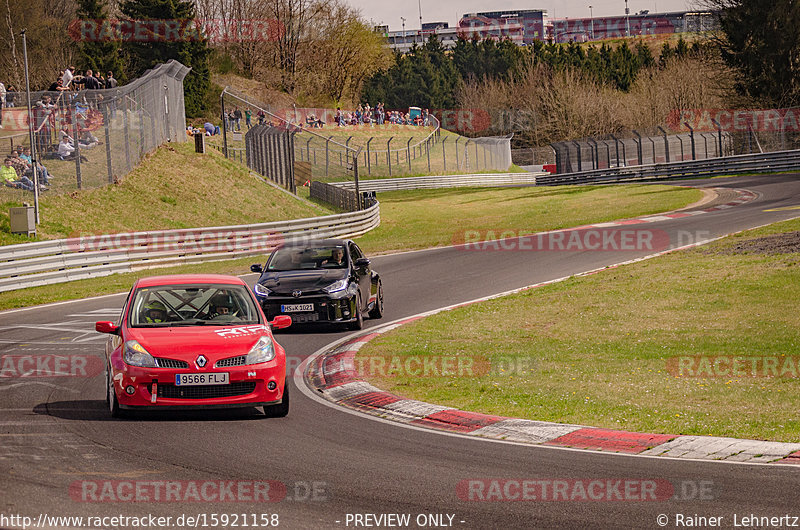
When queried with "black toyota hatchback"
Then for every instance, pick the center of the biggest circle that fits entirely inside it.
(327, 281)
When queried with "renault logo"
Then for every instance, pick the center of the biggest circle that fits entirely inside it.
(297, 293)
(201, 361)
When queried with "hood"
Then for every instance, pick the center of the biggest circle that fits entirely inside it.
(307, 281)
(186, 343)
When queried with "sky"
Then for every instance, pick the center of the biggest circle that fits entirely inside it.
(388, 12)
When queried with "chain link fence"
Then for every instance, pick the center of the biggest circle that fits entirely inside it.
(325, 151)
(90, 138)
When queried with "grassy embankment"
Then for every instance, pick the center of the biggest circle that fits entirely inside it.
(605, 350)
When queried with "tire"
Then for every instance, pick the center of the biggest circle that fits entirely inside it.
(281, 409)
(111, 398)
(358, 323)
(377, 311)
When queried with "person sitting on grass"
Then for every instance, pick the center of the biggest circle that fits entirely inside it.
(10, 178)
(27, 166)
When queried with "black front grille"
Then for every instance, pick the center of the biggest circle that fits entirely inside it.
(204, 392)
(171, 363)
(231, 361)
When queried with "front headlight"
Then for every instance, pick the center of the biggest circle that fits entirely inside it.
(262, 352)
(134, 354)
(335, 287)
(261, 290)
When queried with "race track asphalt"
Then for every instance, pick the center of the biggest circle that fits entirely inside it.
(55, 432)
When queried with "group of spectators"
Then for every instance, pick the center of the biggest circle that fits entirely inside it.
(69, 80)
(233, 120)
(365, 114)
(17, 171)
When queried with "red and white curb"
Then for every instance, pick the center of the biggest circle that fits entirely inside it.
(332, 373)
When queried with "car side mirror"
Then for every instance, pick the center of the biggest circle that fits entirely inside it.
(281, 322)
(106, 327)
(362, 263)
(256, 268)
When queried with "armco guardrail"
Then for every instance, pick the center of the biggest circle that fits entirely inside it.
(444, 181)
(63, 260)
(753, 163)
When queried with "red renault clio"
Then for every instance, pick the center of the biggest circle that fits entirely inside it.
(194, 341)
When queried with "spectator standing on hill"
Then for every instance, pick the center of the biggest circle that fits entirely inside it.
(67, 77)
(11, 93)
(247, 115)
(90, 82)
(2, 95)
(261, 116)
(237, 118)
(111, 81)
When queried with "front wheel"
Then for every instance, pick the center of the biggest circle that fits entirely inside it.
(358, 323)
(377, 310)
(281, 409)
(111, 397)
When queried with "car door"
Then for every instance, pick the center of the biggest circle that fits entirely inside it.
(363, 274)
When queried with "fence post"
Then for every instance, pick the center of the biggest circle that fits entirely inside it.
(616, 145)
(369, 162)
(327, 157)
(719, 130)
(691, 137)
(125, 133)
(444, 155)
(653, 144)
(476, 156)
(108, 144)
(680, 139)
(593, 151)
(355, 177)
(408, 153)
(77, 144)
(458, 164)
(389, 154)
(308, 149)
(580, 164)
(428, 152)
(638, 146)
(666, 143)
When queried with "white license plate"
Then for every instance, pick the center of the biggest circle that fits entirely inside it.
(214, 378)
(295, 308)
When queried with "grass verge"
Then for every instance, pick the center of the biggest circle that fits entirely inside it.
(421, 219)
(604, 350)
(431, 218)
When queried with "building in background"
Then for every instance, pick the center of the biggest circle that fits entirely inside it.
(523, 27)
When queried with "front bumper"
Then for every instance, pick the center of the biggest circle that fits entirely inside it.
(248, 386)
(326, 309)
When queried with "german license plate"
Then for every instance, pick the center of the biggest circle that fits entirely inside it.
(296, 308)
(214, 378)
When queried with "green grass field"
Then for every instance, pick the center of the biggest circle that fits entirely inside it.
(170, 189)
(604, 350)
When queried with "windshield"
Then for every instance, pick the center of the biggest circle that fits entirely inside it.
(308, 258)
(192, 305)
